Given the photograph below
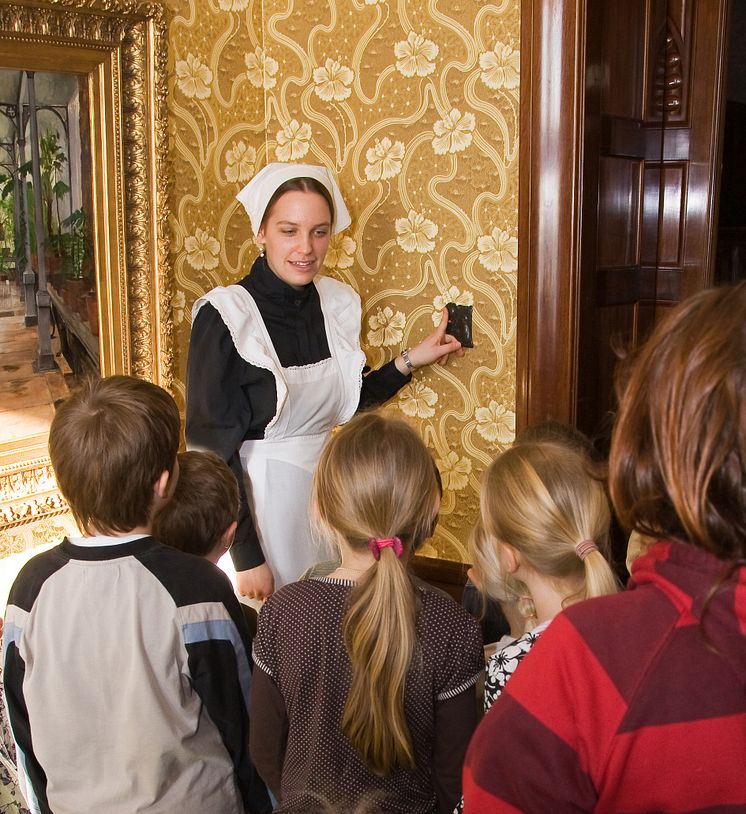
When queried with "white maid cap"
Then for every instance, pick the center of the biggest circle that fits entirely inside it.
(256, 194)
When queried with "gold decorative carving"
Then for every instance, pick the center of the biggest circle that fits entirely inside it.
(121, 47)
(28, 491)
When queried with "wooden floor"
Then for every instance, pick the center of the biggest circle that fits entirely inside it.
(32, 511)
(26, 398)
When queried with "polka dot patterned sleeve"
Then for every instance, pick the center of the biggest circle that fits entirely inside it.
(456, 639)
(265, 642)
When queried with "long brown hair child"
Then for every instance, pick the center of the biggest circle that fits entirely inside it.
(383, 705)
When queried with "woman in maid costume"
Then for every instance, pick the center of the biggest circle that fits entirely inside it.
(275, 364)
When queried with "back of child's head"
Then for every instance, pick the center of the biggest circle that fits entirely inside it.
(677, 467)
(109, 443)
(376, 481)
(540, 498)
(375, 478)
(203, 506)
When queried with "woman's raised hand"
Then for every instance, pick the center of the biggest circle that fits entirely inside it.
(435, 348)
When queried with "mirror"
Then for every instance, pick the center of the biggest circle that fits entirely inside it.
(112, 54)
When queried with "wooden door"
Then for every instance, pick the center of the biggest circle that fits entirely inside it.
(654, 73)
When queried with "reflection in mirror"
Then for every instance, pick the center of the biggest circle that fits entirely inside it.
(85, 277)
(45, 342)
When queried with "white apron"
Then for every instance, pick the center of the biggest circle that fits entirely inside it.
(311, 401)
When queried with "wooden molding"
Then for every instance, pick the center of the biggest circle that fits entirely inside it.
(550, 186)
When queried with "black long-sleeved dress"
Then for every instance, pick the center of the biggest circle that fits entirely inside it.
(230, 401)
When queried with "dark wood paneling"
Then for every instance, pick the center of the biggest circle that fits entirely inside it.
(552, 90)
(447, 575)
(623, 68)
(669, 122)
(604, 82)
(619, 211)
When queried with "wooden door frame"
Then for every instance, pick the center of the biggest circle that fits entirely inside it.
(550, 204)
(550, 207)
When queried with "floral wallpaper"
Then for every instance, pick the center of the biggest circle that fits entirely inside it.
(414, 105)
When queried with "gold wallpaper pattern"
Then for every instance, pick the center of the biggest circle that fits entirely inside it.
(414, 105)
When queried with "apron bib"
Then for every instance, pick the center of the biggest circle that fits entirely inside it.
(311, 401)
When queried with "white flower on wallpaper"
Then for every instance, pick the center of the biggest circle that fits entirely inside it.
(333, 81)
(261, 69)
(500, 67)
(414, 57)
(498, 251)
(453, 133)
(417, 400)
(240, 161)
(293, 141)
(341, 252)
(202, 250)
(452, 295)
(454, 471)
(178, 304)
(415, 233)
(233, 5)
(193, 78)
(495, 423)
(386, 327)
(384, 159)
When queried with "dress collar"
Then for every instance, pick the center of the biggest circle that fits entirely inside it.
(268, 284)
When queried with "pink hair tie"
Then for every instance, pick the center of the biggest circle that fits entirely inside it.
(584, 548)
(376, 545)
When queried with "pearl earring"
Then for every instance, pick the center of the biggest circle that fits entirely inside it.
(261, 251)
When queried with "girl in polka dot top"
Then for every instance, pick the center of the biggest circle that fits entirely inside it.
(364, 687)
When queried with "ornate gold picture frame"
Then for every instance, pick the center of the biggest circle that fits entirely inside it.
(121, 47)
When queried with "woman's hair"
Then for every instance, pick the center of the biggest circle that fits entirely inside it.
(540, 498)
(376, 480)
(299, 185)
(677, 467)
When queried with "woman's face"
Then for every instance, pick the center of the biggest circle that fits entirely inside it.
(296, 236)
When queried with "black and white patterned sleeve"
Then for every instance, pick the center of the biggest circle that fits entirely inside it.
(502, 665)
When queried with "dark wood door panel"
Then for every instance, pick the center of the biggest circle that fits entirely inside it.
(651, 158)
(621, 104)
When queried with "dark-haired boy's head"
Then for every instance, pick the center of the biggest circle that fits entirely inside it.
(113, 446)
(200, 517)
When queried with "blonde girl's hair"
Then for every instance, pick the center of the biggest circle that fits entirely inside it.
(540, 498)
(376, 479)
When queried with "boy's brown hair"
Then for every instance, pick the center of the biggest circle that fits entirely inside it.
(201, 508)
(109, 443)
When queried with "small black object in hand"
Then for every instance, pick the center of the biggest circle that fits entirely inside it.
(459, 323)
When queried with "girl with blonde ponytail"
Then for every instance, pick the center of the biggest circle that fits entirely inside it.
(365, 686)
(545, 523)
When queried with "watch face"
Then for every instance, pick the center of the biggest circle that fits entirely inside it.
(459, 323)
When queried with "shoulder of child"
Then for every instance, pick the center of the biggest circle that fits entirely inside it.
(442, 615)
(187, 574)
(33, 574)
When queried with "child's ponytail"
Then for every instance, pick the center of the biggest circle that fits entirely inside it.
(380, 636)
(599, 578)
(541, 498)
(376, 483)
